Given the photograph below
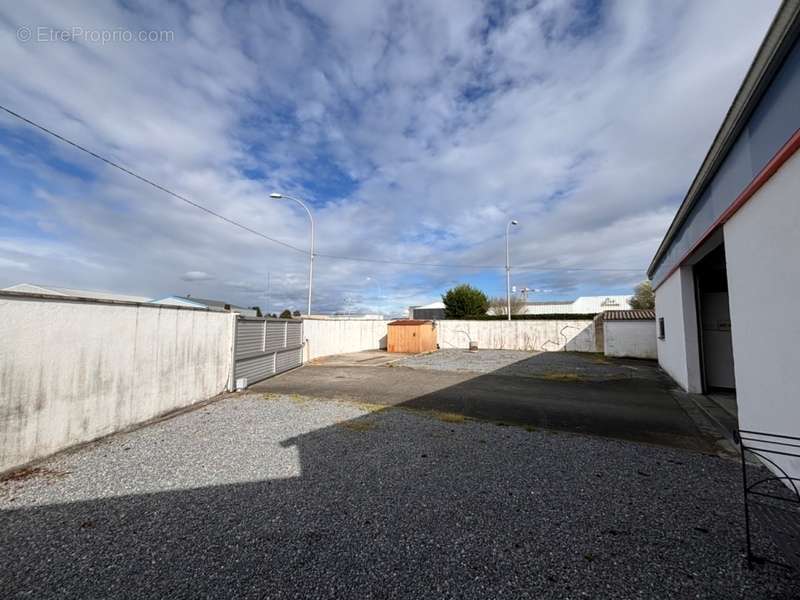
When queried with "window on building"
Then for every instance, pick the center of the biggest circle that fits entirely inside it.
(661, 333)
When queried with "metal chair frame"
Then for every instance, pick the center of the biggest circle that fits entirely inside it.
(762, 445)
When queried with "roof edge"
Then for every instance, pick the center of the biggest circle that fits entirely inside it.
(774, 47)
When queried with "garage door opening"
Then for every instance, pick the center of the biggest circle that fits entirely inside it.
(714, 328)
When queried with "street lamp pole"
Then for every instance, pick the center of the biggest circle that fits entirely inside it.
(311, 253)
(508, 270)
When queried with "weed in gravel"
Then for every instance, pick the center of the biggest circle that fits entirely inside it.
(31, 472)
(360, 426)
(448, 417)
(557, 376)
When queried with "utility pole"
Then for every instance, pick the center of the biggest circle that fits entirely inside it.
(269, 298)
(508, 270)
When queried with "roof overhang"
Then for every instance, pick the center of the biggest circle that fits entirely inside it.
(776, 44)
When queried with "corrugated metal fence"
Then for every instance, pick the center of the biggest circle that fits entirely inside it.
(266, 347)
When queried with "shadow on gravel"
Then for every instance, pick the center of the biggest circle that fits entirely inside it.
(397, 504)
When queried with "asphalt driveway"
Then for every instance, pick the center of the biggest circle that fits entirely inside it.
(582, 393)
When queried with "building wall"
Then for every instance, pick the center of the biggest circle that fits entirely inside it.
(598, 304)
(427, 313)
(73, 371)
(325, 337)
(581, 305)
(635, 339)
(679, 351)
(559, 308)
(763, 253)
(578, 335)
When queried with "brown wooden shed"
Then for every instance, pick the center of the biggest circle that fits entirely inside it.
(411, 335)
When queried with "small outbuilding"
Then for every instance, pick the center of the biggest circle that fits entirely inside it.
(411, 336)
(630, 333)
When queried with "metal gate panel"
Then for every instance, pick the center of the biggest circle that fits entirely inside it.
(266, 347)
(289, 359)
(276, 335)
(256, 369)
(294, 334)
(249, 338)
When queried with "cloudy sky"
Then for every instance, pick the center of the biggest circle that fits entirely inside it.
(414, 130)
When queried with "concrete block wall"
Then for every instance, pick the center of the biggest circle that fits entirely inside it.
(74, 371)
(532, 335)
(633, 339)
(324, 337)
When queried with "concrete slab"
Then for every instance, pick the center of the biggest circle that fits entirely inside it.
(373, 358)
(638, 407)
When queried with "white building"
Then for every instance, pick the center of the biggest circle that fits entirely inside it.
(582, 305)
(215, 305)
(727, 274)
(434, 310)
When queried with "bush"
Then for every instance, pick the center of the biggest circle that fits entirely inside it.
(465, 301)
(286, 314)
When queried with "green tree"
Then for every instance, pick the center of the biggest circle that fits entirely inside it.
(286, 314)
(296, 313)
(643, 296)
(464, 301)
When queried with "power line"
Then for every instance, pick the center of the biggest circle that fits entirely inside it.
(235, 223)
(149, 181)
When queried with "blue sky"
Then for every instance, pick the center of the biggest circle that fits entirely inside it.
(414, 130)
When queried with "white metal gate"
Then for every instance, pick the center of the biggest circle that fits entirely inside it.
(266, 347)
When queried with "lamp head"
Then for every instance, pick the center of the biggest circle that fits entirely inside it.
(275, 195)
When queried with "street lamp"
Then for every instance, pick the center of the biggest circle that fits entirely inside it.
(278, 196)
(508, 270)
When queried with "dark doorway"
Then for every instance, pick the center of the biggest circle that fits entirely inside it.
(714, 322)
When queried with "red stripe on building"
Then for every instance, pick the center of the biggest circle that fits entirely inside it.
(781, 156)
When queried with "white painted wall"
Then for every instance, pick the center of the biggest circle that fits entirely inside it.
(544, 335)
(328, 336)
(72, 371)
(679, 351)
(634, 339)
(762, 246)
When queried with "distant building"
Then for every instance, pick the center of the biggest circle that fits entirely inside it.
(581, 305)
(434, 310)
(215, 305)
(347, 317)
(30, 288)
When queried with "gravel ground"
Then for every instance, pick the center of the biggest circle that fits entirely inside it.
(281, 497)
(549, 365)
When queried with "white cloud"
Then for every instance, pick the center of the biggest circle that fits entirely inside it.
(417, 129)
(196, 276)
